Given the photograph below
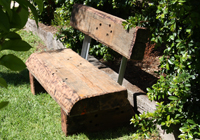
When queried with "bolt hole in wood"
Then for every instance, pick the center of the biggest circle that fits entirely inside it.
(100, 24)
(64, 80)
(69, 58)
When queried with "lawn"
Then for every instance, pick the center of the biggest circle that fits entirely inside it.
(37, 117)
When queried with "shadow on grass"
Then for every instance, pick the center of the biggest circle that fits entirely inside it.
(124, 132)
(16, 78)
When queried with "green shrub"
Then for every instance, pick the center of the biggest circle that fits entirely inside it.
(175, 23)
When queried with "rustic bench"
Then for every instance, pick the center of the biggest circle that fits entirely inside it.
(89, 99)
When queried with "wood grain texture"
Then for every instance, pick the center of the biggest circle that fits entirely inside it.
(107, 29)
(69, 78)
(96, 121)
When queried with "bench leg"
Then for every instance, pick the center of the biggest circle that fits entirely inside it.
(64, 121)
(35, 85)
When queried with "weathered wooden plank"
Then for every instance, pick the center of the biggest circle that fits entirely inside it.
(68, 78)
(95, 121)
(107, 29)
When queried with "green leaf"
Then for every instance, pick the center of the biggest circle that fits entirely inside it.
(12, 62)
(170, 62)
(167, 66)
(20, 17)
(13, 35)
(171, 37)
(3, 83)
(22, 3)
(183, 129)
(16, 45)
(3, 104)
(6, 5)
(127, 26)
(163, 123)
(182, 1)
(191, 121)
(174, 98)
(4, 21)
(190, 135)
(40, 5)
(160, 39)
(168, 117)
(35, 14)
(178, 40)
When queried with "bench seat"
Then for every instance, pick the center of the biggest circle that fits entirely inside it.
(90, 100)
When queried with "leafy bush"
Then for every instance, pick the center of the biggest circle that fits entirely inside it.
(176, 23)
(13, 19)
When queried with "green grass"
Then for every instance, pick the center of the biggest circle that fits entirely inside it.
(38, 117)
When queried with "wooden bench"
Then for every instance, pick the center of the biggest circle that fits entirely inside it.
(89, 99)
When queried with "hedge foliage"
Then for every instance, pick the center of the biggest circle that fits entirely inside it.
(175, 23)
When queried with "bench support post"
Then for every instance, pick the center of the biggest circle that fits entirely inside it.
(35, 85)
(63, 121)
(122, 70)
(86, 47)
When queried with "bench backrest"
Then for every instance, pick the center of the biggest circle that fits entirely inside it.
(108, 30)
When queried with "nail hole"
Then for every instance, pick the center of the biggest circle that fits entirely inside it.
(52, 73)
(111, 31)
(80, 63)
(100, 24)
(64, 80)
(96, 28)
(107, 34)
(109, 25)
